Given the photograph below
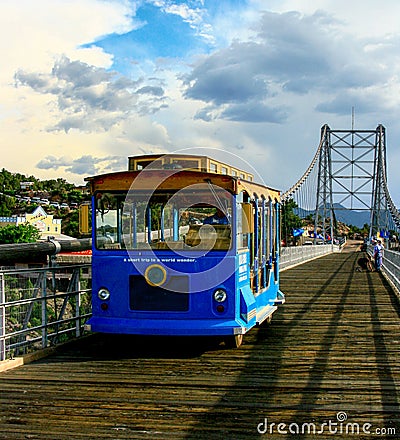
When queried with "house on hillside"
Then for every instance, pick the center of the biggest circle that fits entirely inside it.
(25, 186)
(46, 223)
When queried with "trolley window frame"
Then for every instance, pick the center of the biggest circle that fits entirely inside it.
(110, 225)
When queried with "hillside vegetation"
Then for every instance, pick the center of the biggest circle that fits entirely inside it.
(57, 196)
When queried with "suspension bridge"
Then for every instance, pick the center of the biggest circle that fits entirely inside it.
(347, 173)
(326, 365)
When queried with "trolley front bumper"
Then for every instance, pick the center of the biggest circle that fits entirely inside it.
(167, 327)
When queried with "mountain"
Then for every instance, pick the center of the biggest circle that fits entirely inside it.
(352, 217)
(344, 215)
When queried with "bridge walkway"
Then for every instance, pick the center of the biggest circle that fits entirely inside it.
(330, 353)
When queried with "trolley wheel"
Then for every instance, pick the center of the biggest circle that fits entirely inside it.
(234, 341)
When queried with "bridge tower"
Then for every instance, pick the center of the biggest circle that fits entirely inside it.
(349, 173)
(352, 176)
(324, 214)
(380, 218)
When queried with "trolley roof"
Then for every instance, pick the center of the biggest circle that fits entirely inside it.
(190, 162)
(169, 180)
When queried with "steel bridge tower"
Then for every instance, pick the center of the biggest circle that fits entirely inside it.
(380, 215)
(352, 176)
(324, 214)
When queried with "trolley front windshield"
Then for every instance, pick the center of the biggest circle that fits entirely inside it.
(198, 218)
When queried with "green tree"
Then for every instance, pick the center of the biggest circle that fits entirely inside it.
(24, 233)
(75, 196)
(70, 224)
(365, 230)
(6, 205)
(290, 220)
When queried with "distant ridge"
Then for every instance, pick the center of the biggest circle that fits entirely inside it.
(344, 215)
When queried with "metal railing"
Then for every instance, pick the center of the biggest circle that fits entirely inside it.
(295, 255)
(42, 307)
(390, 266)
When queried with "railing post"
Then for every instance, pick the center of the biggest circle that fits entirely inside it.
(2, 318)
(44, 311)
(78, 302)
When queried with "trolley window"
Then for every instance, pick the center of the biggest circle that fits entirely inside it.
(160, 220)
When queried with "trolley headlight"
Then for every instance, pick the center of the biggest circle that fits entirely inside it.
(220, 295)
(103, 294)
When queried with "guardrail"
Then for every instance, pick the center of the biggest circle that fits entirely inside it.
(294, 255)
(17, 252)
(42, 307)
(390, 266)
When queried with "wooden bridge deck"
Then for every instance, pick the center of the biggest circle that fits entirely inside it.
(331, 352)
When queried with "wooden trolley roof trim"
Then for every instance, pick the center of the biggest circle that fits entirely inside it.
(173, 179)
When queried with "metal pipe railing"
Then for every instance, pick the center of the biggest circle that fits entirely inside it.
(390, 266)
(295, 255)
(12, 253)
(42, 306)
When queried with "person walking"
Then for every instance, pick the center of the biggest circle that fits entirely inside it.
(378, 255)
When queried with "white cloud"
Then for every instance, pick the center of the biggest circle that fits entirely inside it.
(361, 18)
(252, 81)
(33, 33)
(83, 165)
(192, 13)
(91, 98)
(272, 81)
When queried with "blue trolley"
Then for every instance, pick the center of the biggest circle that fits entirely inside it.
(183, 245)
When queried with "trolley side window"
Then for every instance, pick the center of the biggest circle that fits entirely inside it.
(108, 221)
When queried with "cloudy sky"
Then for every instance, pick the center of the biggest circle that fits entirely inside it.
(86, 83)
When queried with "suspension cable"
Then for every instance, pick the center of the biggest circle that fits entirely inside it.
(392, 207)
(300, 182)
